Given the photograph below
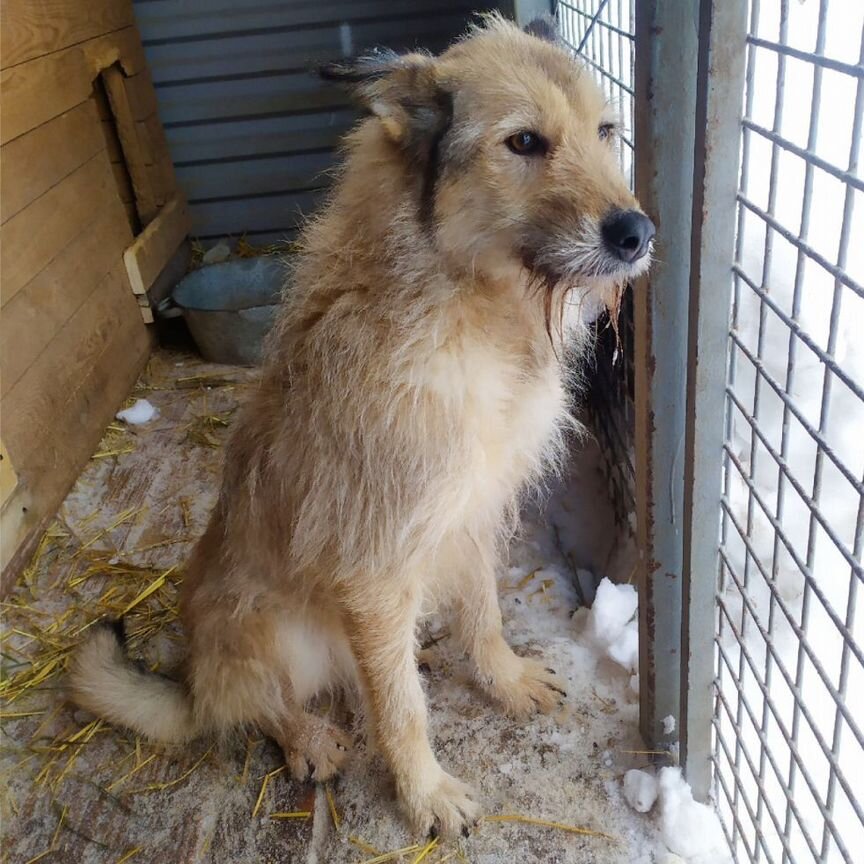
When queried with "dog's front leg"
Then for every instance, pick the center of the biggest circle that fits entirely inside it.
(382, 638)
(521, 685)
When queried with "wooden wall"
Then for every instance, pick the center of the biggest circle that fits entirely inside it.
(87, 192)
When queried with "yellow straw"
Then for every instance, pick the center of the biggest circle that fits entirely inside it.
(155, 585)
(267, 778)
(331, 803)
(390, 856)
(425, 850)
(530, 820)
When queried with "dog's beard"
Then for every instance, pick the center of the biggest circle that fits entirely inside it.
(566, 271)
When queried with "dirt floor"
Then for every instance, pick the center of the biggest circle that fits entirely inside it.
(76, 790)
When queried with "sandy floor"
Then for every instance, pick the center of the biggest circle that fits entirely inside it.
(79, 791)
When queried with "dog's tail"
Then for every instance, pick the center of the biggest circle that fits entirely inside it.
(107, 683)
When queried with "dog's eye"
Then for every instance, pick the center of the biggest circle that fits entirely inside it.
(605, 131)
(526, 143)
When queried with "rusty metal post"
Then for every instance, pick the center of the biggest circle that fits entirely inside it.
(665, 87)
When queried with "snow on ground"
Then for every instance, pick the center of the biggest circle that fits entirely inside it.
(567, 767)
(205, 804)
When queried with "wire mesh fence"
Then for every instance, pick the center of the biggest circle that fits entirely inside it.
(787, 748)
(788, 744)
(601, 33)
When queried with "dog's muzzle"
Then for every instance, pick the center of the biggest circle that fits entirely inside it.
(627, 235)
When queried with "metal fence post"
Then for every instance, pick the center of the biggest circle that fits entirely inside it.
(720, 84)
(665, 90)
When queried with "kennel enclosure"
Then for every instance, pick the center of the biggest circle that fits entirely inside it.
(730, 412)
(741, 436)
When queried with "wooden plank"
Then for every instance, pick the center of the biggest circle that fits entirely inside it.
(36, 235)
(152, 249)
(34, 316)
(134, 149)
(142, 96)
(33, 163)
(124, 185)
(31, 28)
(36, 410)
(17, 543)
(153, 176)
(94, 366)
(35, 91)
(112, 142)
(162, 165)
(8, 477)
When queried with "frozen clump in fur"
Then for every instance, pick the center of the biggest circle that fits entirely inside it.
(141, 412)
(689, 829)
(612, 626)
(640, 790)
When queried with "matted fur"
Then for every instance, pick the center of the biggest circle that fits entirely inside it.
(413, 390)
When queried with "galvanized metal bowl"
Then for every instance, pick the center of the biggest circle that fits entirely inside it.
(230, 307)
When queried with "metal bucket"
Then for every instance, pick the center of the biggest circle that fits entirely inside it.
(229, 307)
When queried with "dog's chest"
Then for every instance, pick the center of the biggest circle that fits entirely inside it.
(508, 411)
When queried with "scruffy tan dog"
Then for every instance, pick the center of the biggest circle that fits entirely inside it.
(412, 389)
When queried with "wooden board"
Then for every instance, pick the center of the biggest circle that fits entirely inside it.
(155, 245)
(33, 163)
(58, 291)
(33, 238)
(99, 356)
(135, 151)
(35, 91)
(161, 166)
(39, 410)
(142, 96)
(8, 477)
(31, 28)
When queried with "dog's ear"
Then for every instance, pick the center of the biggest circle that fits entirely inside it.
(544, 28)
(401, 90)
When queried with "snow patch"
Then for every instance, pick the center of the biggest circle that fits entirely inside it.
(612, 625)
(141, 412)
(668, 724)
(689, 829)
(640, 790)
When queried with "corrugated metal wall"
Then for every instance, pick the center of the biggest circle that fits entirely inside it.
(250, 128)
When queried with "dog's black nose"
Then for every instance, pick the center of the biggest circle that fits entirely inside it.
(627, 234)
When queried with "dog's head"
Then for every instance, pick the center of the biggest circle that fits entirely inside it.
(511, 149)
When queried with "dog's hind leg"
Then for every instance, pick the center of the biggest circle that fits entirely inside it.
(313, 746)
(314, 657)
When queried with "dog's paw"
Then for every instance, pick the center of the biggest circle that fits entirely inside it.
(525, 687)
(445, 808)
(317, 751)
